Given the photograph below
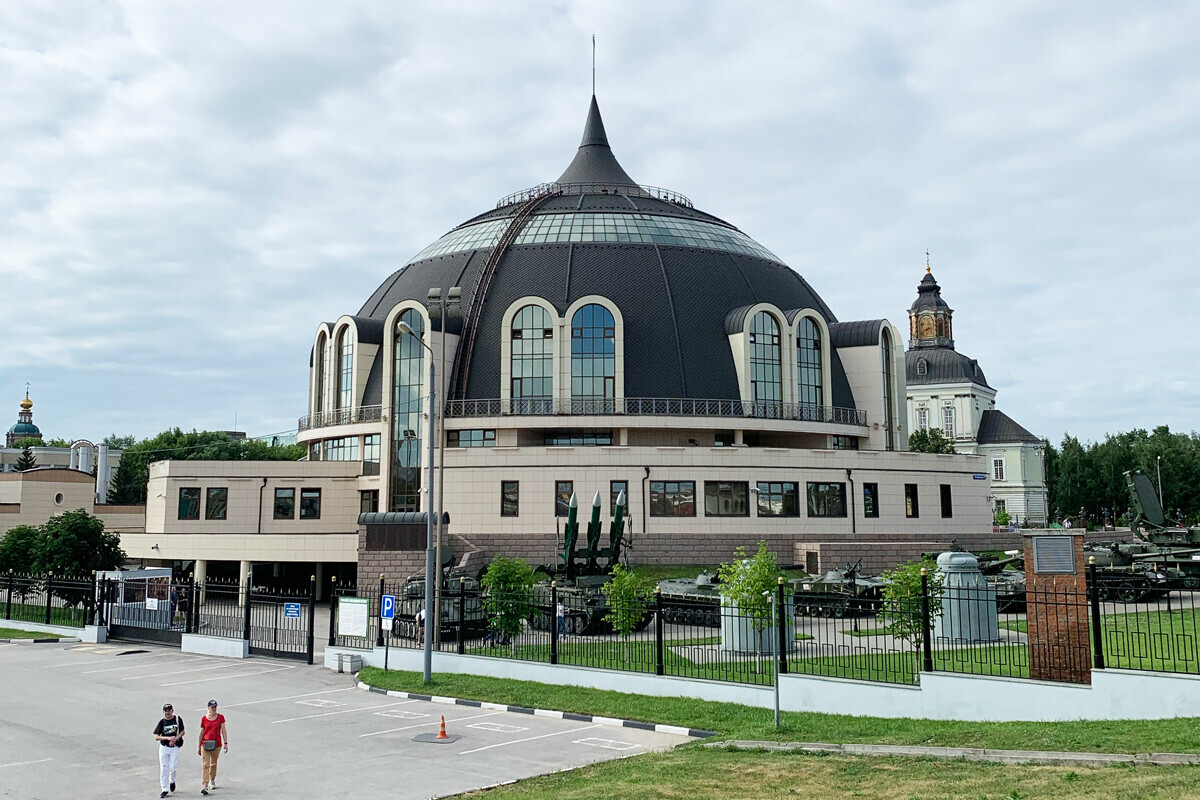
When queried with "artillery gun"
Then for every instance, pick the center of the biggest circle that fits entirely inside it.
(839, 593)
(1165, 542)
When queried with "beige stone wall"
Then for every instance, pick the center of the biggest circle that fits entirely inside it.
(33, 497)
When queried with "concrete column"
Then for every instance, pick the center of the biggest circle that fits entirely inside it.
(739, 437)
(623, 437)
(243, 581)
(200, 573)
(74, 458)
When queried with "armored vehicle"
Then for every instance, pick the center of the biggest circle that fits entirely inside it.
(1009, 583)
(462, 608)
(691, 601)
(838, 593)
(1175, 548)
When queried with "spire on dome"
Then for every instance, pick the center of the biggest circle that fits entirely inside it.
(594, 160)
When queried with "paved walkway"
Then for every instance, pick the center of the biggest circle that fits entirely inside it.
(969, 753)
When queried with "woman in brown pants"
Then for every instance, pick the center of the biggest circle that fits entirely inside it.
(213, 741)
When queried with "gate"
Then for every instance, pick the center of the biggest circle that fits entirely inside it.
(145, 605)
(280, 624)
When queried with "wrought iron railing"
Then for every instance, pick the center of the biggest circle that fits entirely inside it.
(631, 189)
(656, 407)
(342, 416)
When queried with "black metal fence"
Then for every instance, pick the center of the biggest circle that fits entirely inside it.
(1052, 635)
(49, 599)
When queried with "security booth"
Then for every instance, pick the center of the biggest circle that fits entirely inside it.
(141, 604)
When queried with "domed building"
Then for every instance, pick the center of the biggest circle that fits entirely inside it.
(589, 336)
(23, 428)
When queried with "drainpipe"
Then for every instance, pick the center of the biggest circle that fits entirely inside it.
(853, 527)
(644, 514)
(260, 507)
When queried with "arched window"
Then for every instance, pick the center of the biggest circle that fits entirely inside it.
(941, 326)
(319, 374)
(407, 392)
(889, 391)
(766, 367)
(809, 392)
(593, 360)
(533, 361)
(922, 366)
(345, 348)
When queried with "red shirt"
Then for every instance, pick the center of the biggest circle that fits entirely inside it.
(211, 728)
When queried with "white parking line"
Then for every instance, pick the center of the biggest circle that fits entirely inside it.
(427, 724)
(528, 739)
(179, 671)
(227, 677)
(23, 763)
(276, 699)
(141, 665)
(346, 711)
(607, 744)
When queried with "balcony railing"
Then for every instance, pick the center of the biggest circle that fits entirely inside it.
(655, 407)
(342, 416)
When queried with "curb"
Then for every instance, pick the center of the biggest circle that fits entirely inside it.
(693, 733)
(40, 641)
(970, 754)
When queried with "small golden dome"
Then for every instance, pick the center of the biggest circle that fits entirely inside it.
(26, 404)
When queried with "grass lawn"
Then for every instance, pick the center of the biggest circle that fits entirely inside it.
(745, 722)
(13, 633)
(694, 772)
(36, 612)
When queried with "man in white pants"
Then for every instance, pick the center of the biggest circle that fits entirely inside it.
(169, 733)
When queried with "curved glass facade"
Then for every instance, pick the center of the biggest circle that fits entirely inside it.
(408, 374)
(601, 227)
(808, 363)
(532, 356)
(319, 375)
(345, 396)
(593, 359)
(766, 367)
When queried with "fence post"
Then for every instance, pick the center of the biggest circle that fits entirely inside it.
(49, 590)
(926, 636)
(248, 602)
(658, 632)
(197, 601)
(782, 619)
(1097, 620)
(102, 603)
(554, 622)
(462, 612)
(333, 611)
(379, 615)
(8, 603)
(312, 615)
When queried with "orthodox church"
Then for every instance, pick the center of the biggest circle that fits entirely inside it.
(948, 391)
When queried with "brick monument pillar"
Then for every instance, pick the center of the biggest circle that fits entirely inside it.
(1060, 648)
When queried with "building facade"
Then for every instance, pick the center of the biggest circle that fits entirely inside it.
(948, 391)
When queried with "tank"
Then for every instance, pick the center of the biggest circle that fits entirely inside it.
(1133, 573)
(838, 593)
(585, 607)
(692, 601)
(462, 608)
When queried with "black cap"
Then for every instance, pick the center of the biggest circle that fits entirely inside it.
(168, 707)
(212, 703)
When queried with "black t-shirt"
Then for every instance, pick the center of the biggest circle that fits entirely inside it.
(170, 727)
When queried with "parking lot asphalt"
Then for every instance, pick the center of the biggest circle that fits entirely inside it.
(76, 720)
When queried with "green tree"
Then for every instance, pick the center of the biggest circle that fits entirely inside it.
(902, 600)
(75, 545)
(26, 460)
(19, 549)
(26, 441)
(628, 599)
(930, 440)
(57, 443)
(116, 442)
(508, 600)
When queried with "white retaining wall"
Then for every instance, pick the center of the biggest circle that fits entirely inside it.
(217, 646)
(1114, 694)
(57, 630)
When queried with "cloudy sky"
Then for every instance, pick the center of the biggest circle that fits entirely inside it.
(187, 189)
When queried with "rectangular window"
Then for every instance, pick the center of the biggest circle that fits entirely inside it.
(997, 469)
(912, 508)
(871, 500)
(510, 498)
(344, 449)
(726, 499)
(922, 419)
(672, 498)
(845, 442)
(948, 421)
(947, 502)
(189, 503)
(368, 501)
(285, 504)
(826, 499)
(471, 438)
(614, 491)
(371, 448)
(778, 499)
(310, 504)
(216, 503)
(577, 438)
(562, 497)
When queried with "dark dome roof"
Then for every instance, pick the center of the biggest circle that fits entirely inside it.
(943, 365)
(674, 272)
(25, 429)
(929, 294)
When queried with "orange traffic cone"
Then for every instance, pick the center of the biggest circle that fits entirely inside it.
(442, 730)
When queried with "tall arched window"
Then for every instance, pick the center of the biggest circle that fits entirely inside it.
(532, 361)
(889, 391)
(766, 368)
(319, 374)
(345, 348)
(593, 360)
(809, 393)
(407, 391)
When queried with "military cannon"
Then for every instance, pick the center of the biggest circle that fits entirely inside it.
(839, 593)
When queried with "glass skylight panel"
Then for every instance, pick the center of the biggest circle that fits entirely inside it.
(586, 227)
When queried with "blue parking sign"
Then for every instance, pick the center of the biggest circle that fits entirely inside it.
(387, 609)
(291, 610)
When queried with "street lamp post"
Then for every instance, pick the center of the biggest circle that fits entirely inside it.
(430, 566)
(451, 298)
(1158, 467)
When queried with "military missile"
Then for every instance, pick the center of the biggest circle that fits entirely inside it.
(619, 513)
(595, 510)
